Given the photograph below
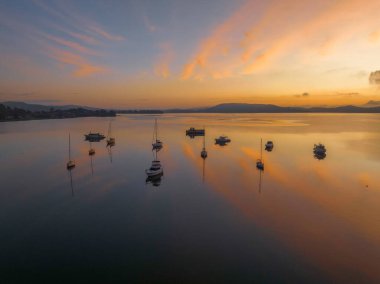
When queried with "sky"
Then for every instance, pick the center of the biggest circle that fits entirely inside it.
(177, 53)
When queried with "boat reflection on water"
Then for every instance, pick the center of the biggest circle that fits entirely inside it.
(319, 151)
(319, 156)
(260, 181)
(92, 166)
(94, 137)
(109, 148)
(154, 180)
(71, 183)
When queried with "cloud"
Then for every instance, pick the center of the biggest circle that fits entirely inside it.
(374, 36)
(70, 44)
(162, 66)
(148, 24)
(374, 78)
(82, 67)
(100, 31)
(261, 35)
(303, 95)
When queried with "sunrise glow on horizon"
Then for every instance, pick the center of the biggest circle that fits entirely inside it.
(158, 54)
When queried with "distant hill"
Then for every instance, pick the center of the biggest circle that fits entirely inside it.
(248, 108)
(371, 104)
(268, 108)
(38, 107)
(22, 111)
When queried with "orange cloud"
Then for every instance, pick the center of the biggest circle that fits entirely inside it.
(279, 30)
(82, 66)
(216, 43)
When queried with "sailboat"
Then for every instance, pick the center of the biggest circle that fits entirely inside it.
(259, 162)
(110, 139)
(156, 167)
(92, 150)
(71, 163)
(204, 152)
(156, 143)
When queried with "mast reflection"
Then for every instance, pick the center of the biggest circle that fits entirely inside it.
(154, 180)
(71, 182)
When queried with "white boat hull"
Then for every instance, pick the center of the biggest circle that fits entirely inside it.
(151, 173)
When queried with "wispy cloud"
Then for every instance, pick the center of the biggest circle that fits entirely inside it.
(102, 32)
(258, 36)
(82, 67)
(70, 44)
(79, 23)
(148, 24)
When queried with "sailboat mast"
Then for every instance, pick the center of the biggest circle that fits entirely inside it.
(261, 149)
(204, 138)
(69, 147)
(156, 129)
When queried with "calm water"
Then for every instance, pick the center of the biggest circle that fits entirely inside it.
(217, 221)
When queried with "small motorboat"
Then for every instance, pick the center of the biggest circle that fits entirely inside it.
(192, 132)
(222, 140)
(94, 136)
(269, 146)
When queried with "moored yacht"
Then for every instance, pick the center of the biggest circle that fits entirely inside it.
(260, 162)
(269, 146)
(222, 140)
(94, 136)
(71, 163)
(156, 143)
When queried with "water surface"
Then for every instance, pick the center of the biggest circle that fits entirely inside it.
(218, 220)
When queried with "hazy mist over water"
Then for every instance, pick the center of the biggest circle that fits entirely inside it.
(206, 221)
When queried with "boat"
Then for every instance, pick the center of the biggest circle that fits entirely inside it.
(155, 169)
(269, 146)
(204, 152)
(91, 152)
(319, 149)
(222, 140)
(71, 163)
(192, 132)
(156, 143)
(94, 137)
(260, 162)
(110, 139)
